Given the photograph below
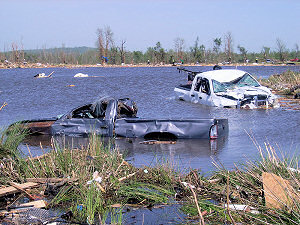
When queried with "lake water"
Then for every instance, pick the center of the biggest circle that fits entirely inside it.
(152, 89)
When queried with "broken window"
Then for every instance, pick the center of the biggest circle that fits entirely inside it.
(83, 112)
(245, 80)
(202, 85)
(218, 86)
(205, 86)
(198, 84)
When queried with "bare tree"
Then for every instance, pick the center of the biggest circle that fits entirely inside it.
(228, 46)
(104, 42)
(179, 47)
(297, 49)
(15, 52)
(122, 51)
(281, 49)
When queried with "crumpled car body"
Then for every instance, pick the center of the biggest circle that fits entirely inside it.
(111, 117)
(227, 88)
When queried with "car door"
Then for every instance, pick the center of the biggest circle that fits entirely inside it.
(80, 127)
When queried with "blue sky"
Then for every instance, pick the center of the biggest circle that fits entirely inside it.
(46, 24)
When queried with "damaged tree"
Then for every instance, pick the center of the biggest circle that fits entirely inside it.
(179, 47)
(228, 46)
(281, 49)
(122, 51)
(104, 43)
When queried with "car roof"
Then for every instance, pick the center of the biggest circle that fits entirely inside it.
(222, 75)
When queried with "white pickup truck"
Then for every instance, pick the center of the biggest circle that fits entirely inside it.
(225, 88)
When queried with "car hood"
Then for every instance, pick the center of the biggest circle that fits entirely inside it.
(242, 92)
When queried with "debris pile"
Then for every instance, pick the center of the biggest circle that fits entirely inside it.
(89, 183)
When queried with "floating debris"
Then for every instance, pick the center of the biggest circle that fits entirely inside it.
(81, 75)
(3, 105)
(43, 75)
(156, 142)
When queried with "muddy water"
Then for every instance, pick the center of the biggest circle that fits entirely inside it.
(152, 89)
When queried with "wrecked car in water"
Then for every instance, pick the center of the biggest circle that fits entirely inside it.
(225, 88)
(111, 117)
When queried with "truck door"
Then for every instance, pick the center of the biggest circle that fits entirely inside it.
(194, 94)
(201, 92)
(204, 92)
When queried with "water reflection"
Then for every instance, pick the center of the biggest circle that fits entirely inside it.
(135, 151)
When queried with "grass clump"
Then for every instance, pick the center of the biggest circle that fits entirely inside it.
(246, 186)
(97, 178)
(287, 83)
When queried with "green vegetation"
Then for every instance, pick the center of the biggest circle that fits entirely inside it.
(97, 178)
(10, 140)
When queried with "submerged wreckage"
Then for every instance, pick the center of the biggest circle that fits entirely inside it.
(117, 117)
(225, 88)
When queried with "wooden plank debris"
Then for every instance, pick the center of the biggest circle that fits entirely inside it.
(50, 180)
(17, 186)
(278, 191)
(12, 190)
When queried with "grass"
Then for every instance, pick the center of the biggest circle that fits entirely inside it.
(116, 180)
(99, 177)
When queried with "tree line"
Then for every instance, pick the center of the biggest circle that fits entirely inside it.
(110, 52)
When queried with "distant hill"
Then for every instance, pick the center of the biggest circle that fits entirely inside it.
(79, 50)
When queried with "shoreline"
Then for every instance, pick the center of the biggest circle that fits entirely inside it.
(72, 66)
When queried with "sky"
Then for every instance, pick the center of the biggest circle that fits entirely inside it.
(253, 24)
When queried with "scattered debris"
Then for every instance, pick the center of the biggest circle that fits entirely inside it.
(12, 190)
(17, 186)
(289, 103)
(152, 142)
(50, 180)
(43, 75)
(117, 205)
(278, 191)
(3, 105)
(23, 207)
(293, 170)
(244, 208)
(97, 180)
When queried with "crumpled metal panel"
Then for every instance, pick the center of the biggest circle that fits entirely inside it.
(110, 116)
(181, 128)
(81, 127)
